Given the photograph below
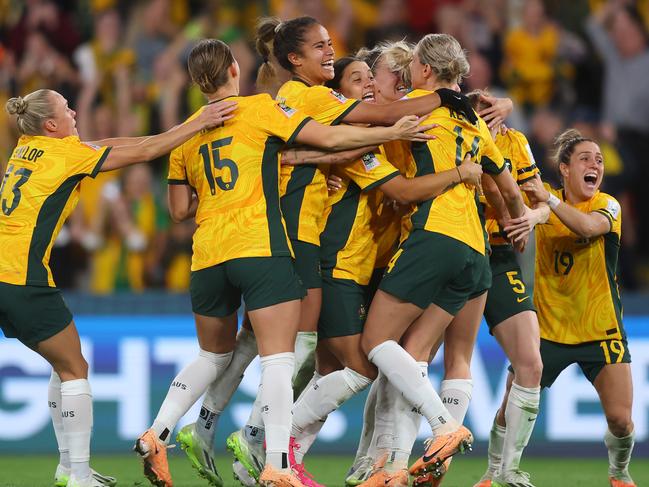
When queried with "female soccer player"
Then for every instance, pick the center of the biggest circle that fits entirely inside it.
(303, 47)
(39, 190)
(576, 291)
(349, 246)
(241, 248)
(442, 263)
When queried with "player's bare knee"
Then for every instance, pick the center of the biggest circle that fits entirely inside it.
(528, 372)
(620, 423)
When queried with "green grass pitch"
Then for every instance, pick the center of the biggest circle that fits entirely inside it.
(36, 471)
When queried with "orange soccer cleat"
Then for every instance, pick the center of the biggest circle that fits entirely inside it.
(383, 478)
(433, 479)
(154, 455)
(272, 477)
(483, 483)
(624, 481)
(440, 448)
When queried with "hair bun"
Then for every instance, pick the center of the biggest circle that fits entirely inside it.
(17, 106)
(567, 137)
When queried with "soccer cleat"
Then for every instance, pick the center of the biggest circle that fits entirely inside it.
(199, 454)
(154, 456)
(513, 478)
(245, 453)
(298, 468)
(383, 478)
(440, 448)
(483, 482)
(359, 472)
(272, 477)
(621, 479)
(434, 478)
(62, 476)
(241, 474)
(93, 480)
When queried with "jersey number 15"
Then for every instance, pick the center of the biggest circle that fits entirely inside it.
(214, 159)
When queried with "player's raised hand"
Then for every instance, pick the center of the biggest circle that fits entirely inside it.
(215, 114)
(410, 128)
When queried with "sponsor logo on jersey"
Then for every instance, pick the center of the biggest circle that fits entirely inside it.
(370, 161)
(338, 96)
(286, 110)
(613, 207)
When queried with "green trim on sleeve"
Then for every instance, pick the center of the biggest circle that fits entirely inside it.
(342, 116)
(178, 181)
(100, 163)
(490, 166)
(530, 168)
(381, 181)
(521, 181)
(603, 211)
(291, 139)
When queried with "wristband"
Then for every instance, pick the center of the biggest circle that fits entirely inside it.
(459, 174)
(553, 201)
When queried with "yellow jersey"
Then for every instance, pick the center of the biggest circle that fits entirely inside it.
(575, 291)
(519, 160)
(388, 222)
(234, 170)
(304, 188)
(348, 245)
(40, 189)
(455, 212)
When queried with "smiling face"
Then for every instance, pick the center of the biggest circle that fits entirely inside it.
(315, 61)
(389, 85)
(62, 123)
(357, 82)
(583, 175)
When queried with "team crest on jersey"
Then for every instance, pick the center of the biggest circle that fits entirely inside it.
(370, 161)
(613, 207)
(338, 96)
(286, 110)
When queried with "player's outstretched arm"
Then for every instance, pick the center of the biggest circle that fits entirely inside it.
(586, 225)
(342, 137)
(157, 145)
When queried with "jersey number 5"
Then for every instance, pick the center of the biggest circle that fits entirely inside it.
(23, 175)
(220, 164)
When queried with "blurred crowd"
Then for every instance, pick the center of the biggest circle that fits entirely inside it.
(121, 65)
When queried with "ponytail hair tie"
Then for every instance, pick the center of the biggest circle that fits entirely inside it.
(278, 27)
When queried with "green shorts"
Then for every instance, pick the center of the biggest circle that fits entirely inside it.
(263, 281)
(431, 268)
(32, 313)
(591, 357)
(483, 283)
(508, 294)
(307, 263)
(344, 308)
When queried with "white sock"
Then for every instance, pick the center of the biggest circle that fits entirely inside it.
(220, 391)
(619, 452)
(456, 396)
(186, 388)
(327, 395)
(384, 416)
(305, 344)
(54, 403)
(366, 443)
(495, 451)
(76, 411)
(408, 420)
(520, 415)
(406, 375)
(276, 400)
(310, 433)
